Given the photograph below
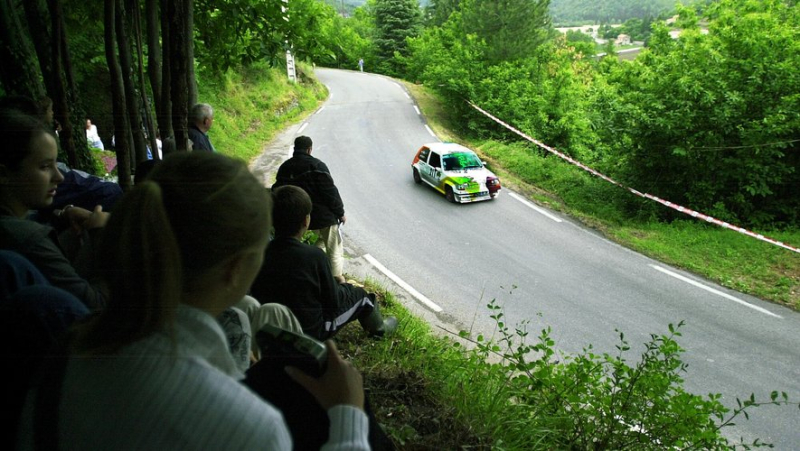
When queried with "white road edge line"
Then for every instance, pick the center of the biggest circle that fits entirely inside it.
(419, 296)
(320, 110)
(303, 127)
(417, 110)
(712, 290)
(534, 207)
(430, 131)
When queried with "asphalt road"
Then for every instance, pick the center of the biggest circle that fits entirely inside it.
(541, 267)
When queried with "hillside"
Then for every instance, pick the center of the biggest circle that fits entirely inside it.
(608, 11)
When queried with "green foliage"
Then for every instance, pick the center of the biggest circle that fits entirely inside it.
(448, 60)
(637, 29)
(348, 40)
(601, 401)
(607, 11)
(512, 29)
(711, 120)
(232, 33)
(395, 21)
(253, 104)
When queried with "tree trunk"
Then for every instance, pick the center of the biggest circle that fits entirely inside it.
(131, 99)
(146, 106)
(18, 73)
(179, 62)
(165, 115)
(78, 135)
(59, 94)
(154, 60)
(191, 83)
(121, 127)
(37, 15)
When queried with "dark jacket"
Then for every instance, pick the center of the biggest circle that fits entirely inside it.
(200, 141)
(313, 176)
(299, 276)
(39, 244)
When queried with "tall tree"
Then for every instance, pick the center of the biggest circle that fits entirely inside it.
(395, 20)
(178, 13)
(64, 93)
(438, 11)
(133, 106)
(19, 72)
(121, 126)
(512, 29)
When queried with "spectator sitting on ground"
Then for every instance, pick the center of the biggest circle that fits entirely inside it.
(153, 370)
(242, 320)
(201, 118)
(28, 181)
(92, 137)
(299, 276)
(78, 188)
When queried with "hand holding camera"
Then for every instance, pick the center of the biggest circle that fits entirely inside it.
(315, 366)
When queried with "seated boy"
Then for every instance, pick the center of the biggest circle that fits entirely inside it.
(299, 276)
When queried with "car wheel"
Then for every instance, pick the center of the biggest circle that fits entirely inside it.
(448, 193)
(417, 178)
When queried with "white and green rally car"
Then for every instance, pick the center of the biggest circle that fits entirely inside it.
(456, 172)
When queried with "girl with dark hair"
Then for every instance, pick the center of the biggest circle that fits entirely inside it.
(28, 181)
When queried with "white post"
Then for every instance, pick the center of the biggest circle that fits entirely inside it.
(289, 57)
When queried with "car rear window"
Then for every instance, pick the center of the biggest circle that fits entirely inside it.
(423, 154)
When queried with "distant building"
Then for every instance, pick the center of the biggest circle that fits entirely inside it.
(623, 39)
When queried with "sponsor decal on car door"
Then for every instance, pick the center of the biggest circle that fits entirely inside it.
(433, 171)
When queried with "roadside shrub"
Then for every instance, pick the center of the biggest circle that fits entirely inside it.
(602, 401)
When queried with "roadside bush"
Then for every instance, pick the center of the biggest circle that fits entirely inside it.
(601, 401)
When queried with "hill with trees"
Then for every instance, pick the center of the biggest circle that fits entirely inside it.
(568, 12)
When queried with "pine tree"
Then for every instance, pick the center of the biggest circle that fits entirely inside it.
(395, 20)
(513, 29)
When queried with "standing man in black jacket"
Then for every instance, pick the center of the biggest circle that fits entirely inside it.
(327, 211)
(201, 117)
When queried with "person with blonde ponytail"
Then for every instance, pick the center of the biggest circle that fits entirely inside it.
(153, 370)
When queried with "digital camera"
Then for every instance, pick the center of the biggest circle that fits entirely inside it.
(286, 348)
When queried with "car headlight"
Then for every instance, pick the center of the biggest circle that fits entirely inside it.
(462, 186)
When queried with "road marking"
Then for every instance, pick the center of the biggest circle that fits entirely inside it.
(712, 290)
(417, 110)
(430, 131)
(320, 110)
(419, 296)
(303, 127)
(530, 205)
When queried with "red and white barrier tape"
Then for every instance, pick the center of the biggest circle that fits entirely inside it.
(688, 211)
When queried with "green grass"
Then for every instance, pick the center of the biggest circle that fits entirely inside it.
(726, 257)
(251, 106)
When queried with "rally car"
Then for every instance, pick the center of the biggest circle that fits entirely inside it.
(455, 171)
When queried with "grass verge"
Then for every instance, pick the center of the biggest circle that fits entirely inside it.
(252, 105)
(728, 258)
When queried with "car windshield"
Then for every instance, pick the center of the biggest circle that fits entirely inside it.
(461, 160)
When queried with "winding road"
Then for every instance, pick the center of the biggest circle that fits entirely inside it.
(542, 267)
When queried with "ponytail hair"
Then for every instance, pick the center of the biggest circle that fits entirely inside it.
(193, 211)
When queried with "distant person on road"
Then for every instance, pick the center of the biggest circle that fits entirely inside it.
(299, 276)
(201, 118)
(327, 213)
(361, 64)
